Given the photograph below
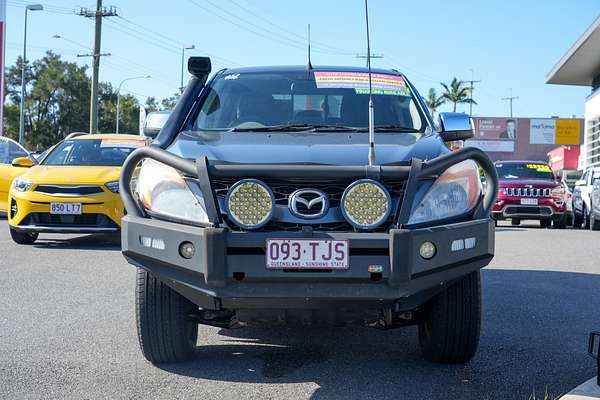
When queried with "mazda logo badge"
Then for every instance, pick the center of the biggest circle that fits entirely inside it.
(308, 203)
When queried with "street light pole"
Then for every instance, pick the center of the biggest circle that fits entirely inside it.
(119, 95)
(183, 49)
(30, 7)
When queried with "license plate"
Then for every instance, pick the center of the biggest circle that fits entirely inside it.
(529, 202)
(65, 208)
(307, 254)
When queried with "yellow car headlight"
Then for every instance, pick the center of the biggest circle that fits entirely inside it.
(366, 204)
(250, 203)
(164, 192)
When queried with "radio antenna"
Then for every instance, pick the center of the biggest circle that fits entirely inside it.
(371, 106)
(309, 63)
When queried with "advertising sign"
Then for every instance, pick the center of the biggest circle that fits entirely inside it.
(568, 131)
(554, 131)
(494, 134)
(542, 131)
(501, 146)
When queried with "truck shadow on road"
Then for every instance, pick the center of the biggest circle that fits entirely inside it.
(535, 325)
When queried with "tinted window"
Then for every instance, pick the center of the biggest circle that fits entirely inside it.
(524, 171)
(271, 99)
(92, 152)
(10, 150)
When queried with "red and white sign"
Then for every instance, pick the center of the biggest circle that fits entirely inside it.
(307, 254)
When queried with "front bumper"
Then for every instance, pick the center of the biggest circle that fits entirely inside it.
(546, 209)
(228, 269)
(101, 213)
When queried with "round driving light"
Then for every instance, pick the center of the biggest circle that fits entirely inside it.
(250, 203)
(427, 250)
(187, 250)
(366, 204)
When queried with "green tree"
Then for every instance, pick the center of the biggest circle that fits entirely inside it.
(434, 101)
(457, 93)
(170, 102)
(151, 104)
(57, 102)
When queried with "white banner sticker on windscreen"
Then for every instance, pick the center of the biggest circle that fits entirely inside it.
(542, 131)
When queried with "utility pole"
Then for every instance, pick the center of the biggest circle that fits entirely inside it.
(367, 58)
(472, 82)
(510, 100)
(97, 14)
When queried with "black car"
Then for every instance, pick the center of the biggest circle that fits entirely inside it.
(265, 200)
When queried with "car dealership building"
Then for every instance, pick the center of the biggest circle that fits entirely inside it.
(580, 66)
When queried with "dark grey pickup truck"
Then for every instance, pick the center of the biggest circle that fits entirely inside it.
(279, 195)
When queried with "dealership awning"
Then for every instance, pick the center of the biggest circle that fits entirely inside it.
(581, 64)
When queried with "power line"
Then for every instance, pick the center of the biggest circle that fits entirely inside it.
(372, 56)
(510, 99)
(98, 14)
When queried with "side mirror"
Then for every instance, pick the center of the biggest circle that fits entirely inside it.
(155, 122)
(22, 162)
(455, 126)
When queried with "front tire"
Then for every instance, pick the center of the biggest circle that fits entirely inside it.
(26, 238)
(586, 218)
(594, 222)
(545, 223)
(577, 220)
(450, 331)
(166, 332)
(560, 223)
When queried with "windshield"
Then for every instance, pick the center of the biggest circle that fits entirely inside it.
(524, 171)
(10, 150)
(248, 101)
(92, 152)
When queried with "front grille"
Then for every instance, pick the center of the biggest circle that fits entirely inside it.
(66, 190)
(334, 190)
(527, 192)
(83, 220)
(528, 210)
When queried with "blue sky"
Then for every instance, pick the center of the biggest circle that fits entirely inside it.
(508, 44)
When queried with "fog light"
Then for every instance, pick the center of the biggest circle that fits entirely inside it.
(187, 250)
(427, 250)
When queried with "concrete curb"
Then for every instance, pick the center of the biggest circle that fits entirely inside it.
(585, 391)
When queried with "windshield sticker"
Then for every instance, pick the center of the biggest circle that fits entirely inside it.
(127, 143)
(359, 81)
(539, 167)
(231, 77)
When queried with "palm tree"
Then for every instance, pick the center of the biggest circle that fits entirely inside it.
(457, 93)
(434, 101)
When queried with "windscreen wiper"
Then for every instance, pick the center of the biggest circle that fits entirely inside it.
(394, 128)
(297, 128)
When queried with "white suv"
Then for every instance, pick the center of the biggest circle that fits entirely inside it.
(581, 197)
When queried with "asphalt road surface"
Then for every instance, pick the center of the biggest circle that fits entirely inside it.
(67, 331)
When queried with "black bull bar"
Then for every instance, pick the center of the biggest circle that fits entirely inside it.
(204, 171)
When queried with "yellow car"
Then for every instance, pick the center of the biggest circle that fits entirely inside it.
(75, 188)
(9, 150)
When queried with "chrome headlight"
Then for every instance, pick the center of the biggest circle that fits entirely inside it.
(22, 185)
(163, 191)
(250, 203)
(454, 193)
(366, 204)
